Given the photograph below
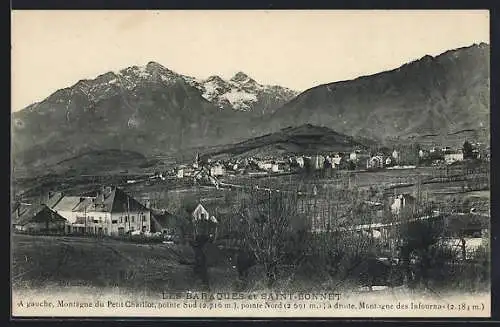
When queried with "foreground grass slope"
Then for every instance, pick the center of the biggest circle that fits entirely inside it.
(39, 261)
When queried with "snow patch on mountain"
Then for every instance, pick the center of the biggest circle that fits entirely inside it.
(240, 100)
(241, 92)
(210, 90)
(143, 72)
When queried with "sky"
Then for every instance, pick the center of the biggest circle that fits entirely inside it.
(297, 49)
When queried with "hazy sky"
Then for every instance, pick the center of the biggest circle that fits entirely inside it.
(297, 49)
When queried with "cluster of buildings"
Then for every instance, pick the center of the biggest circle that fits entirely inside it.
(109, 211)
(258, 166)
(449, 156)
(358, 159)
(112, 212)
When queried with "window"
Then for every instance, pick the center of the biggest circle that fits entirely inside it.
(132, 218)
(114, 221)
(121, 219)
(143, 218)
(126, 219)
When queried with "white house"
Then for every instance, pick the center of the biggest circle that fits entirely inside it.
(217, 170)
(110, 212)
(375, 162)
(329, 161)
(199, 213)
(180, 173)
(265, 165)
(203, 221)
(450, 158)
(402, 201)
(336, 160)
(317, 162)
(300, 162)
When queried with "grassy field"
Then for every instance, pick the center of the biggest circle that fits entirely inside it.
(57, 262)
(39, 261)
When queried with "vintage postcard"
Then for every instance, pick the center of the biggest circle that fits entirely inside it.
(250, 164)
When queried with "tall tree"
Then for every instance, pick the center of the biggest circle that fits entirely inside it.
(467, 150)
(273, 228)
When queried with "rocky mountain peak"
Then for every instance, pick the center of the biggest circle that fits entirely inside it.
(215, 79)
(155, 67)
(241, 77)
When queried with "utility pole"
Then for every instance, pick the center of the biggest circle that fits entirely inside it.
(128, 211)
(84, 220)
(141, 217)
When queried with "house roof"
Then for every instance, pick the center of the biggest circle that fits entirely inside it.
(38, 213)
(66, 203)
(200, 206)
(54, 199)
(25, 212)
(114, 200)
(84, 205)
(120, 203)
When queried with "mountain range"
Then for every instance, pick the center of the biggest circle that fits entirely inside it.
(149, 109)
(153, 110)
(443, 95)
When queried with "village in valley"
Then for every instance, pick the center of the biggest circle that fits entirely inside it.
(363, 197)
(137, 217)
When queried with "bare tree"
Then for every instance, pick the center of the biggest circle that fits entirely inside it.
(422, 252)
(274, 230)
